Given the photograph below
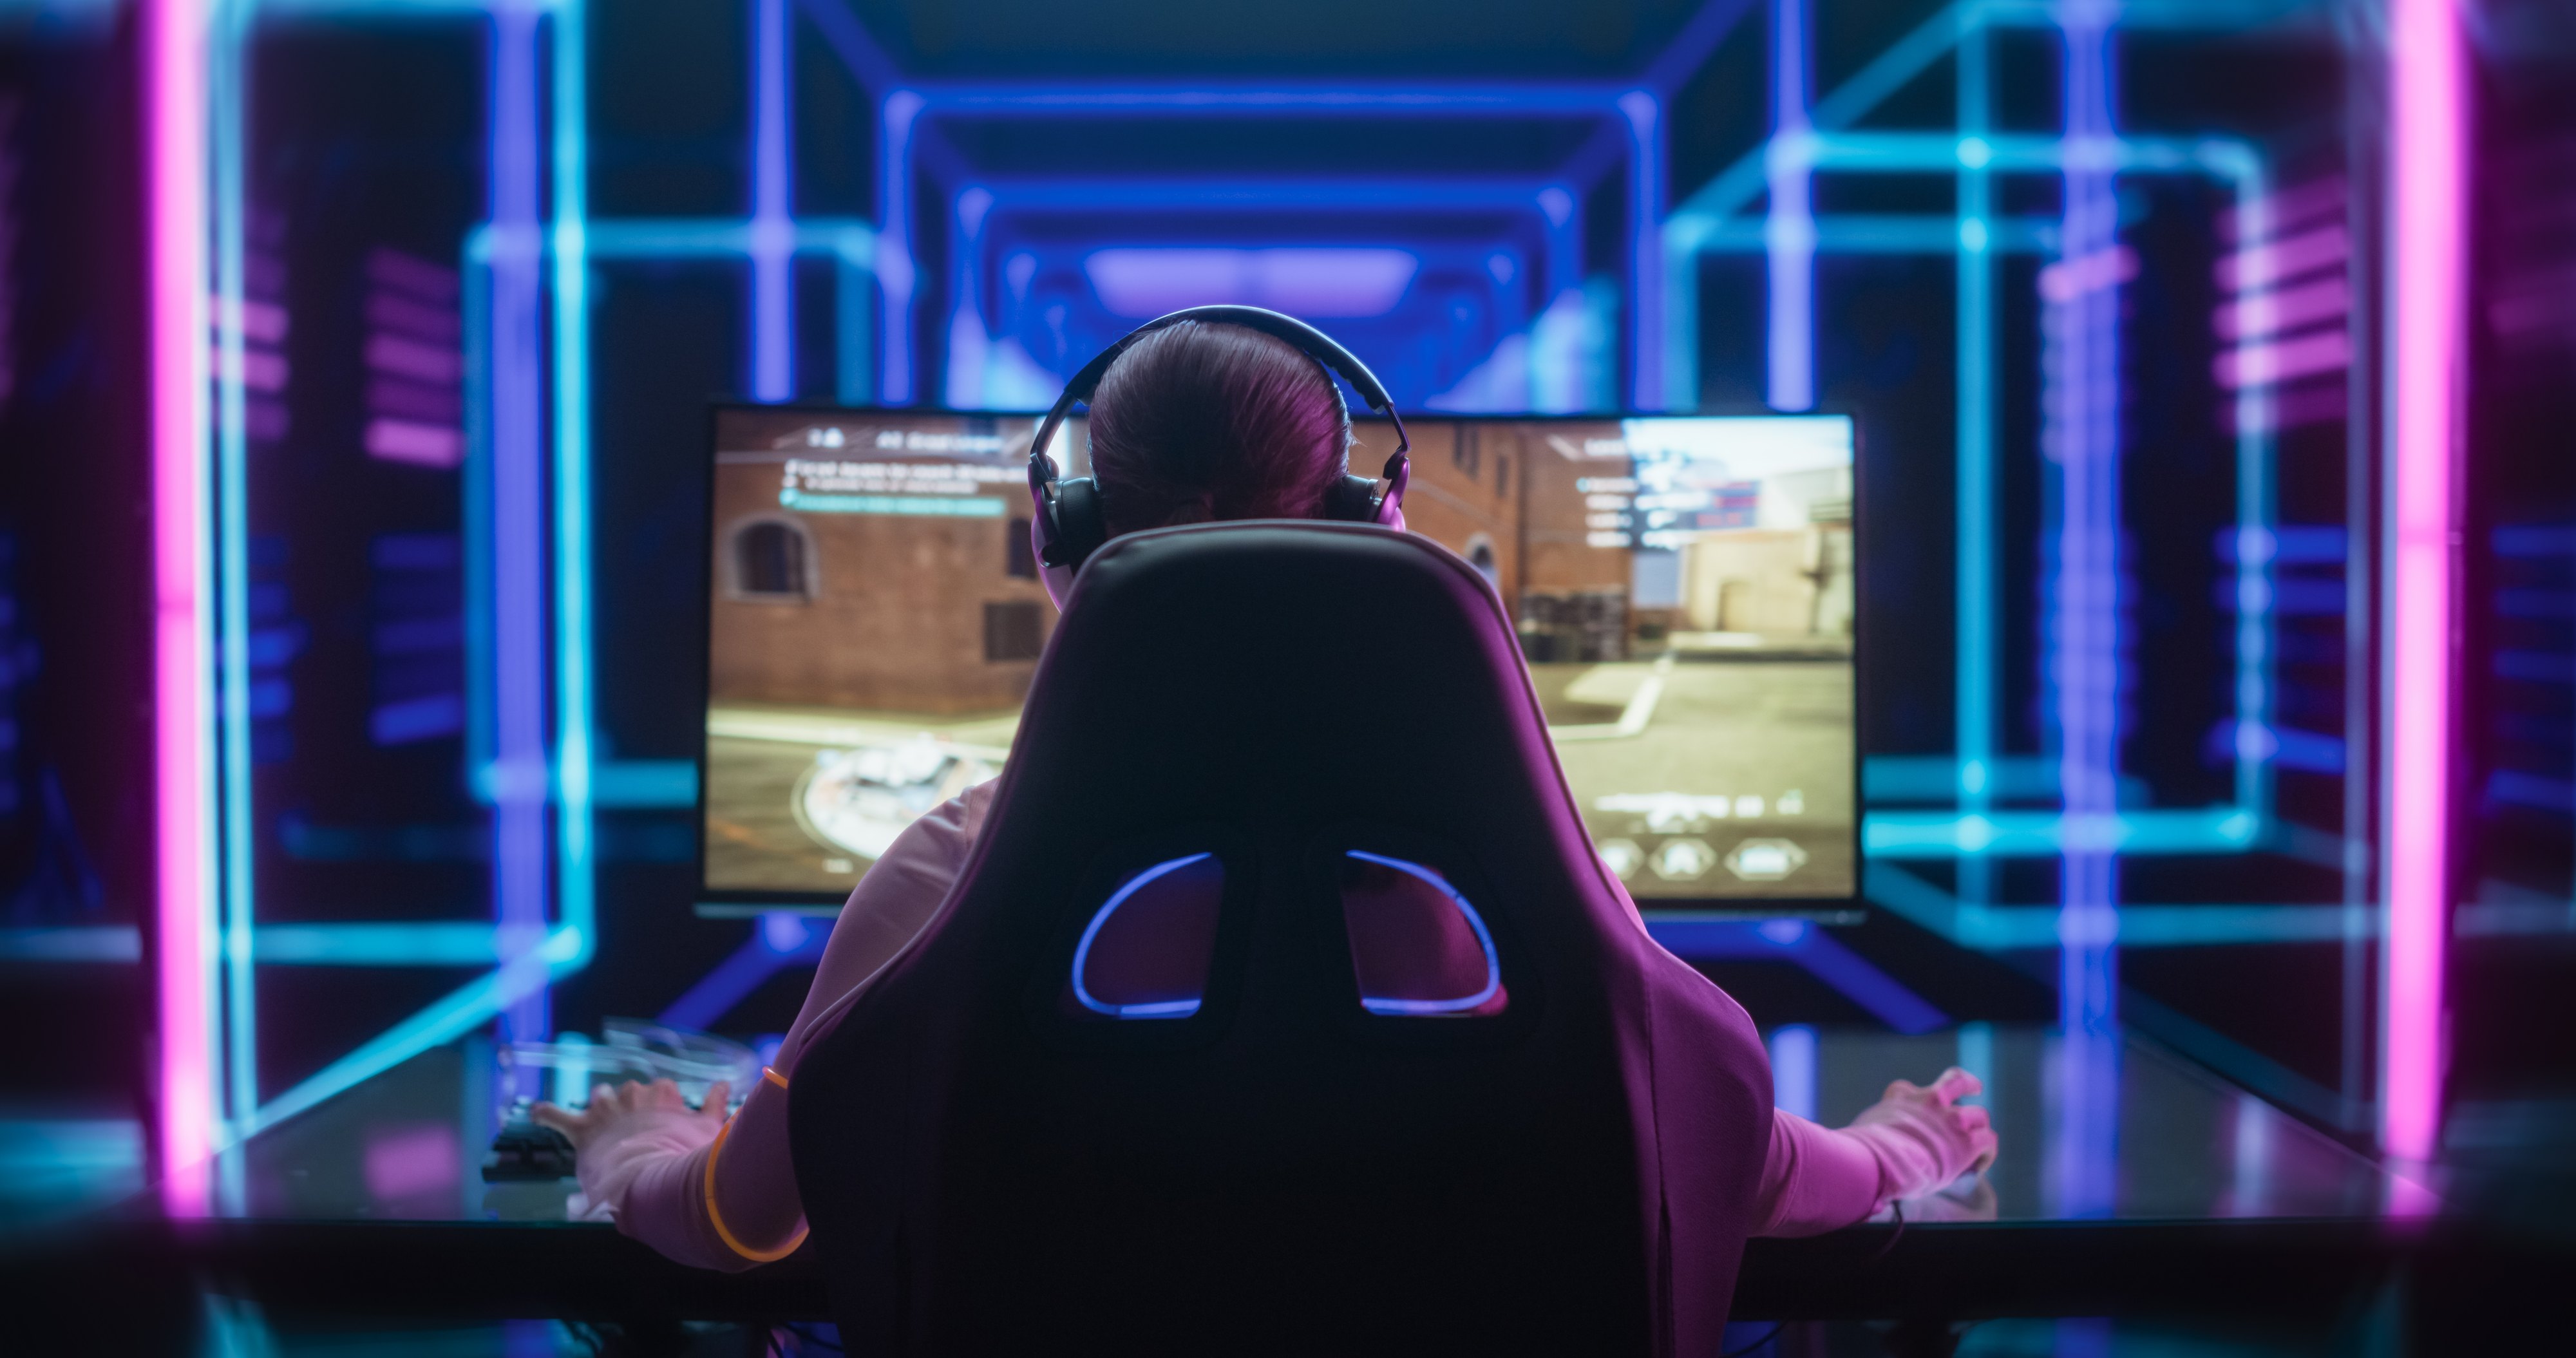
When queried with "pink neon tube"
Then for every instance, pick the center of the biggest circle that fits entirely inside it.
(173, 57)
(2426, 197)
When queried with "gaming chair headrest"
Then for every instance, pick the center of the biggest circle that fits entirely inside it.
(1365, 675)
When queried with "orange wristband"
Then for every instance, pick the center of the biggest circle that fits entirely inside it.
(716, 1219)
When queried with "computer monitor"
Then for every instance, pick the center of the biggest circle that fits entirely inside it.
(1683, 588)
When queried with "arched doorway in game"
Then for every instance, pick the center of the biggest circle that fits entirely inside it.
(772, 559)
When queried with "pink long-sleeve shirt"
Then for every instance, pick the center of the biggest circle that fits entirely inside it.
(651, 1174)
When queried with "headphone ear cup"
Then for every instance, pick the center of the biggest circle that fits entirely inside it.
(1079, 528)
(1353, 499)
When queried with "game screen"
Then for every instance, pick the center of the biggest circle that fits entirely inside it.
(1682, 587)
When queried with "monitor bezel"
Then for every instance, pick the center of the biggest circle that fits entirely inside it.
(732, 902)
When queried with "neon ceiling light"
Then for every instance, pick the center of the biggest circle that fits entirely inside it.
(1313, 281)
(2427, 196)
(171, 46)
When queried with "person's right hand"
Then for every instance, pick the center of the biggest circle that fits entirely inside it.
(1927, 1138)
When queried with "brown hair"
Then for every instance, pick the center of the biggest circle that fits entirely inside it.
(1200, 421)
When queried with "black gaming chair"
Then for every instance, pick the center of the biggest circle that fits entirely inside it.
(1005, 1149)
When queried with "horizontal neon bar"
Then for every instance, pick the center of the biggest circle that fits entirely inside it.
(1393, 98)
(616, 782)
(1226, 193)
(2024, 834)
(1862, 234)
(1996, 927)
(424, 943)
(421, 943)
(1940, 778)
(1690, 225)
(718, 237)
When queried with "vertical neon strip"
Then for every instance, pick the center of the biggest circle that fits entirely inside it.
(773, 231)
(172, 51)
(577, 884)
(1681, 314)
(1789, 232)
(516, 380)
(228, 90)
(2256, 545)
(2427, 190)
(894, 242)
(1645, 249)
(855, 377)
(1975, 595)
(474, 270)
(2082, 437)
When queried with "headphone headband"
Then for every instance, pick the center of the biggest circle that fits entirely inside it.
(1068, 523)
(1311, 342)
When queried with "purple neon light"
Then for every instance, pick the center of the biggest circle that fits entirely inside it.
(1645, 248)
(1318, 283)
(781, 940)
(171, 45)
(1820, 953)
(2259, 314)
(2427, 194)
(773, 230)
(2081, 435)
(2273, 361)
(1793, 1070)
(895, 275)
(1789, 231)
(519, 779)
(2279, 261)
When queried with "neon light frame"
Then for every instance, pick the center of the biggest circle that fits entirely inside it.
(530, 954)
(1703, 223)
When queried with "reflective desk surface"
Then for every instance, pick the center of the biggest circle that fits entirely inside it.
(2163, 1190)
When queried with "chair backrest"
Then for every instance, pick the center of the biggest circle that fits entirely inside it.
(1262, 1156)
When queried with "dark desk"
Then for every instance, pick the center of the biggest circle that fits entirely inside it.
(2208, 1202)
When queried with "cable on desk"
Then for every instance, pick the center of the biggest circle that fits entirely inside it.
(1897, 1208)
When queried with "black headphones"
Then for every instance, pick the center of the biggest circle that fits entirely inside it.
(1070, 525)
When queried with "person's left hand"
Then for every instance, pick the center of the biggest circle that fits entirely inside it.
(620, 1110)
